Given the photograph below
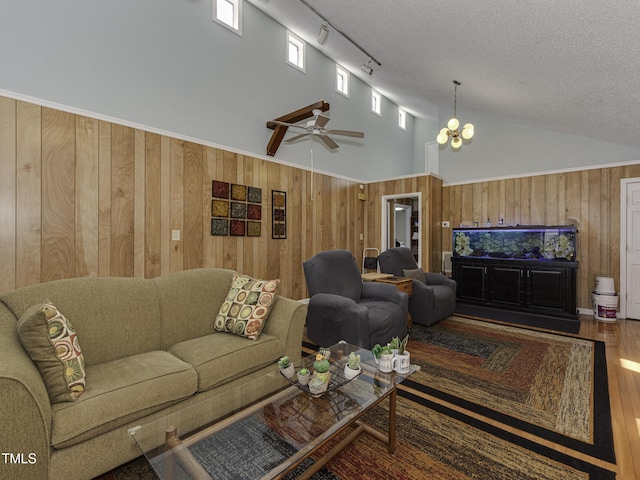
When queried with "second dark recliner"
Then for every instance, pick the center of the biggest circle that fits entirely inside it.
(342, 307)
(434, 294)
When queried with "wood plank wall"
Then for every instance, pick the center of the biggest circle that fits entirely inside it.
(84, 197)
(589, 199)
(431, 188)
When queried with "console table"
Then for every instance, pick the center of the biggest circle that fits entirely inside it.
(547, 288)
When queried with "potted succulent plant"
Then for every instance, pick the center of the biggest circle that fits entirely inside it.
(321, 367)
(402, 362)
(383, 357)
(303, 376)
(317, 385)
(286, 367)
(352, 368)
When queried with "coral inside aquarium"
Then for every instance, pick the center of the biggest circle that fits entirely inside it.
(526, 243)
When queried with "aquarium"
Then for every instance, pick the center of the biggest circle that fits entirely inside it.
(555, 243)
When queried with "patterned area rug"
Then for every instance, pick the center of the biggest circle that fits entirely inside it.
(433, 442)
(550, 385)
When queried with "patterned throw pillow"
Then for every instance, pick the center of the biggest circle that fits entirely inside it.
(52, 344)
(247, 306)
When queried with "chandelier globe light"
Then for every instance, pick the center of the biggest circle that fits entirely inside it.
(451, 130)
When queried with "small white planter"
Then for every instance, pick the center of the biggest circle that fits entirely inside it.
(304, 379)
(350, 373)
(288, 371)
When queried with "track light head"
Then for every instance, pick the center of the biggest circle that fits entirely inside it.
(366, 67)
(324, 34)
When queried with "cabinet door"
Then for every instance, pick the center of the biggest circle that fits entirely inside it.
(547, 288)
(507, 285)
(472, 283)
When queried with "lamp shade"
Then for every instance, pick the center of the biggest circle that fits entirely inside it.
(453, 124)
(442, 138)
(456, 142)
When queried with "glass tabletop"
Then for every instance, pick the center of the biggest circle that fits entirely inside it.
(269, 436)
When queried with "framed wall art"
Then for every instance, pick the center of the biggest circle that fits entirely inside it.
(236, 210)
(279, 211)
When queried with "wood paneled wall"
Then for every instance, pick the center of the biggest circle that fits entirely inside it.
(431, 188)
(84, 197)
(589, 199)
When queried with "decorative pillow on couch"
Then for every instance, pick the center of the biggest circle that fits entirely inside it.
(52, 344)
(417, 273)
(247, 306)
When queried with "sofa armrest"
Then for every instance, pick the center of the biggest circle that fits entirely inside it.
(25, 406)
(286, 322)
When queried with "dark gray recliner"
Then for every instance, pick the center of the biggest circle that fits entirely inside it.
(433, 298)
(343, 307)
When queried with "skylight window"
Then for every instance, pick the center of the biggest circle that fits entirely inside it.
(402, 118)
(296, 48)
(342, 81)
(229, 14)
(376, 100)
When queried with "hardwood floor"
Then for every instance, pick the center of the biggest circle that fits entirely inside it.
(622, 340)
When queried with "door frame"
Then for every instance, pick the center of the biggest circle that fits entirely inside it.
(385, 220)
(624, 183)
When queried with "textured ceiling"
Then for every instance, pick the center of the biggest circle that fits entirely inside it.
(567, 65)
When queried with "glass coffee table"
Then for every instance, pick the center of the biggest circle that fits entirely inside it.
(277, 434)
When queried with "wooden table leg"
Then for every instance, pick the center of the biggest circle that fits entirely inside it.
(392, 421)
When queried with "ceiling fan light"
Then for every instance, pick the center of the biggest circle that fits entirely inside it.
(453, 123)
(456, 142)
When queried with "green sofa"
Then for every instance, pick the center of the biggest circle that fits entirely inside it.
(150, 349)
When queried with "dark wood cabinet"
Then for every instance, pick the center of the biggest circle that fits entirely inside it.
(547, 288)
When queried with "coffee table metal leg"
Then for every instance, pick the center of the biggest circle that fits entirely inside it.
(392, 421)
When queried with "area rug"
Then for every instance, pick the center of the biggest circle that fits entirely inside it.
(552, 386)
(434, 442)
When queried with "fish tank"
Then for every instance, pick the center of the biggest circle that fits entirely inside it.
(551, 243)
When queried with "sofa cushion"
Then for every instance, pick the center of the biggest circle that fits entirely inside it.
(52, 343)
(221, 357)
(121, 391)
(247, 306)
(417, 273)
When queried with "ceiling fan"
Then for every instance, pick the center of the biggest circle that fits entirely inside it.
(317, 126)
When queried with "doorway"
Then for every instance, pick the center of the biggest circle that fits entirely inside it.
(630, 248)
(408, 218)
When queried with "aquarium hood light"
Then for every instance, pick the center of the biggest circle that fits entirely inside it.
(451, 130)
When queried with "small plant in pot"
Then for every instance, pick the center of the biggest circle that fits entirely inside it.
(383, 357)
(352, 368)
(321, 367)
(402, 362)
(303, 376)
(286, 367)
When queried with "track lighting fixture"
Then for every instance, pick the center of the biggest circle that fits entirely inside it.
(324, 34)
(367, 68)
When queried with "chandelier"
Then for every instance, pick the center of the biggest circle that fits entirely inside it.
(451, 130)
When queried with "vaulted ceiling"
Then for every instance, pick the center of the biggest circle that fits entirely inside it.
(568, 65)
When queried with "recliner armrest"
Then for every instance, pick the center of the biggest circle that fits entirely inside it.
(439, 279)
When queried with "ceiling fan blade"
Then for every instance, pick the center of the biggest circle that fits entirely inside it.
(346, 133)
(328, 142)
(321, 121)
(297, 137)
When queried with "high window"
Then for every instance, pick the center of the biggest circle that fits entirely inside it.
(402, 119)
(342, 81)
(229, 14)
(296, 48)
(376, 100)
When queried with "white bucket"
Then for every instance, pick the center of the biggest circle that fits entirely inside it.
(605, 286)
(605, 307)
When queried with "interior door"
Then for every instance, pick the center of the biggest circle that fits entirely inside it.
(633, 251)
